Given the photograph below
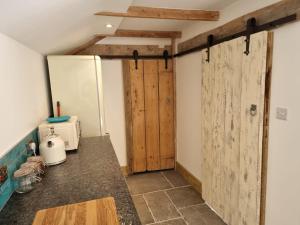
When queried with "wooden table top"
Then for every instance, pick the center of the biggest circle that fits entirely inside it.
(96, 212)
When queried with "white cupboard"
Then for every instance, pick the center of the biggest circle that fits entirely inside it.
(76, 82)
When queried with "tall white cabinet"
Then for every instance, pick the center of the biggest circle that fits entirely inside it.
(76, 82)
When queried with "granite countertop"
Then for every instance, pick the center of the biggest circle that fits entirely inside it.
(89, 173)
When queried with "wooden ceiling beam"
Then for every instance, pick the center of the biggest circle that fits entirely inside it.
(116, 50)
(86, 45)
(144, 34)
(125, 33)
(164, 13)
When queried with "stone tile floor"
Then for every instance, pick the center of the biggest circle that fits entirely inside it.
(165, 198)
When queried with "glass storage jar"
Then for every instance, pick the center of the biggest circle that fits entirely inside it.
(25, 178)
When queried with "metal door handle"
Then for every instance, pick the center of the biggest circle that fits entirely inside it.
(253, 110)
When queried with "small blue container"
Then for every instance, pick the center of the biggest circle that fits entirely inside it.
(58, 119)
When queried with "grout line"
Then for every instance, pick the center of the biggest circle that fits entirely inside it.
(167, 179)
(174, 205)
(147, 204)
(162, 221)
(136, 195)
(167, 189)
(191, 205)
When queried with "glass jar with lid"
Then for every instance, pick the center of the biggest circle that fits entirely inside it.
(25, 178)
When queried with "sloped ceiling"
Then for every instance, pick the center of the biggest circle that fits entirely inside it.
(54, 26)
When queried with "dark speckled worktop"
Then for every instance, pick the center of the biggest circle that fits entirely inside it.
(89, 173)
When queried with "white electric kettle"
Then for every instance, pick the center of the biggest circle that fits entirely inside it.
(52, 149)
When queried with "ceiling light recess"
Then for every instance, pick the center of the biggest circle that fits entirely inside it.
(109, 25)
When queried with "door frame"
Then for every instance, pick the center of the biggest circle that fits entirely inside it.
(266, 120)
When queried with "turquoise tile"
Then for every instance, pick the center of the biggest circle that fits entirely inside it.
(13, 159)
(7, 190)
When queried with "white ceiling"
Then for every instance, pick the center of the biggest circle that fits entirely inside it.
(57, 25)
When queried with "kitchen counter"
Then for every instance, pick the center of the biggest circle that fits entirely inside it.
(91, 172)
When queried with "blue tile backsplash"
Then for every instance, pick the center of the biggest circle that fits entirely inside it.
(13, 159)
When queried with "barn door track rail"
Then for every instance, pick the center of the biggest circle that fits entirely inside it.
(251, 28)
(135, 56)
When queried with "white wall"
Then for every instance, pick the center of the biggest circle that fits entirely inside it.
(112, 77)
(284, 168)
(283, 189)
(23, 92)
(188, 93)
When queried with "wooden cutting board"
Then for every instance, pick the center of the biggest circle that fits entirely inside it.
(96, 212)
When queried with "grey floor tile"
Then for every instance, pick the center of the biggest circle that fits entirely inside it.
(175, 178)
(147, 182)
(161, 206)
(192, 216)
(212, 219)
(142, 209)
(185, 196)
(200, 215)
(173, 222)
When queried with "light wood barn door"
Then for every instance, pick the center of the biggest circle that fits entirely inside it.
(233, 86)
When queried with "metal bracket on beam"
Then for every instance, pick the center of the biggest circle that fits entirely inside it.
(210, 41)
(166, 56)
(135, 57)
(251, 26)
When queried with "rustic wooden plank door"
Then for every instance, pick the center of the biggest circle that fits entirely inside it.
(232, 101)
(251, 137)
(152, 114)
(232, 125)
(139, 155)
(149, 108)
(166, 115)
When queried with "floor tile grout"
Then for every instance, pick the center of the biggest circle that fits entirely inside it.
(163, 221)
(166, 189)
(191, 205)
(147, 204)
(175, 207)
(172, 185)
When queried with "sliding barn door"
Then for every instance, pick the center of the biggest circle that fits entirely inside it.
(166, 115)
(151, 86)
(137, 115)
(233, 86)
(149, 103)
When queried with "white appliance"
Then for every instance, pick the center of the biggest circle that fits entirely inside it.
(52, 149)
(76, 82)
(69, 131)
